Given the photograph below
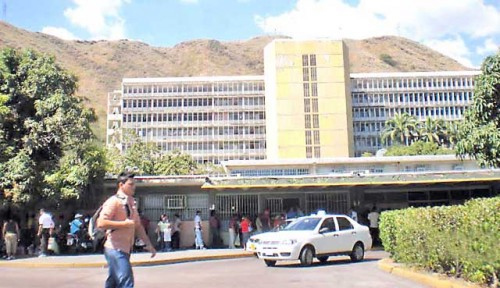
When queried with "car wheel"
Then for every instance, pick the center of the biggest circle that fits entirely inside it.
(323, 259)
(358, 253)
(270, 263)
(306, 256)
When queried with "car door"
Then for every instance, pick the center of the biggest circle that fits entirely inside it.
(347, 235)
(327, 241)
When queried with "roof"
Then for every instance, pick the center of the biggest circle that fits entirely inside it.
(348, 180)
(415, 74)
(343, 160)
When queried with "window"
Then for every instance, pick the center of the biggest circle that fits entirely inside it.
(314, 89)
(329, 224)
(312, 60)
(305, 74)
(305, 60)
(315, 105)
(344, 224)
(317, 152)
(307, 106)
(315, 121)
(309, 152)
(314, 76)
(308, 121)
(316, 137)
(306, 89)
(308, 138)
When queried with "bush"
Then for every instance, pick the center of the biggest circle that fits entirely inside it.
(388, 60)
(456, 240)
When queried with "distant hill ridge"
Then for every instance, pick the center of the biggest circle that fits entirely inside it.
(101, 65)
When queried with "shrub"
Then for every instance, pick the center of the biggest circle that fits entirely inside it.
(458, 240)
(388, 60)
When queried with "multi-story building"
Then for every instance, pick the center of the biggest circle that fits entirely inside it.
(212, 118)
(377, 97)
(306, 105)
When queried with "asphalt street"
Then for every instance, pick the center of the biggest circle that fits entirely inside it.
(241, 273)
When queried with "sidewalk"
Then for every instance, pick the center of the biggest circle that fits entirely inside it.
(137, 259)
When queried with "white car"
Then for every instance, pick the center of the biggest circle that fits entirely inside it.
(317, 236)
(253, 241)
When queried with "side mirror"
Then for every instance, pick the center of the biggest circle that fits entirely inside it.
(323, 230)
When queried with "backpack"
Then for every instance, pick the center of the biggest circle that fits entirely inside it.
(99, 233)
(94, 232)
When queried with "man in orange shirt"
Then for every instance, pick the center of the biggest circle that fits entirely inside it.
(120, 218)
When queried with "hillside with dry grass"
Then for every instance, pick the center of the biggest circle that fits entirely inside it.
(101, 65)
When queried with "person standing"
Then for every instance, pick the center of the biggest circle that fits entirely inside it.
(214, 229)
(233, 229)
(120, 218)
(245, 231)
(176, 232)
(76, 225)
(373, 218)
(45, 229)
(353, 214)
(198, 236)
(11, 236)
(160, 232)
(266, 220)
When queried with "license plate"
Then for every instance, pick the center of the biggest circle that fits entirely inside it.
(252, 247)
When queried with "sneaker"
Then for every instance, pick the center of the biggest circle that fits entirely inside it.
(203, 248)
(9, 258)
(42, 255)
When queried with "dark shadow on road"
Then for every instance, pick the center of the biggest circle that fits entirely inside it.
(333, 262)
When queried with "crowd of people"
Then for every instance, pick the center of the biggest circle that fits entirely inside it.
(50, 235)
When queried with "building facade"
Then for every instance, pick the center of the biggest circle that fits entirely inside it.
(377, 97)
(212, 118)
(307, 105)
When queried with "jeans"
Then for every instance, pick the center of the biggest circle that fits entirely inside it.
(176, 240)
(120, 271)
(198, 240)
(44, 241)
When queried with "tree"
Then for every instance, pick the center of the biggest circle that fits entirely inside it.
(431, 130)
(45, 130)
(400, 128)
(450, 134)
(417, 148)
(479, 133)
(147, 159)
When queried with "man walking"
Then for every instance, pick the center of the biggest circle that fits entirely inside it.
(373, 218)
(45, 229)
(120, 218)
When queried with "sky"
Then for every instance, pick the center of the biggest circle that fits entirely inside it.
(465, 30)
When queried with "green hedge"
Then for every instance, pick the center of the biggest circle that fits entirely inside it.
(462, 240)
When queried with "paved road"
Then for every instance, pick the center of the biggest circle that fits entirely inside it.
(241, 273)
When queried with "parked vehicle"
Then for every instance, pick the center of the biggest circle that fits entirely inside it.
(316, 236)
(79, 243)
(254, 240)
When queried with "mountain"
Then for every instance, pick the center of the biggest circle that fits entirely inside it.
(101, 65)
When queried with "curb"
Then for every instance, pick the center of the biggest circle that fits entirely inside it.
(431, 280)
(103, 264)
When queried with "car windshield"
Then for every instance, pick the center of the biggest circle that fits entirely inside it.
(305, 224)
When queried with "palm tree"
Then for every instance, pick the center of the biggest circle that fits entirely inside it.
(400, 128)
(450, 133)
(431, 130)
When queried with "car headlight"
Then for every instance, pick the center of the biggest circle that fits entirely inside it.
(289, 242)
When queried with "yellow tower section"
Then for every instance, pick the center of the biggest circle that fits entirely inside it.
(308, 99)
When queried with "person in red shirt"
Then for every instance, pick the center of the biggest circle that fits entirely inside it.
(245, 230)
